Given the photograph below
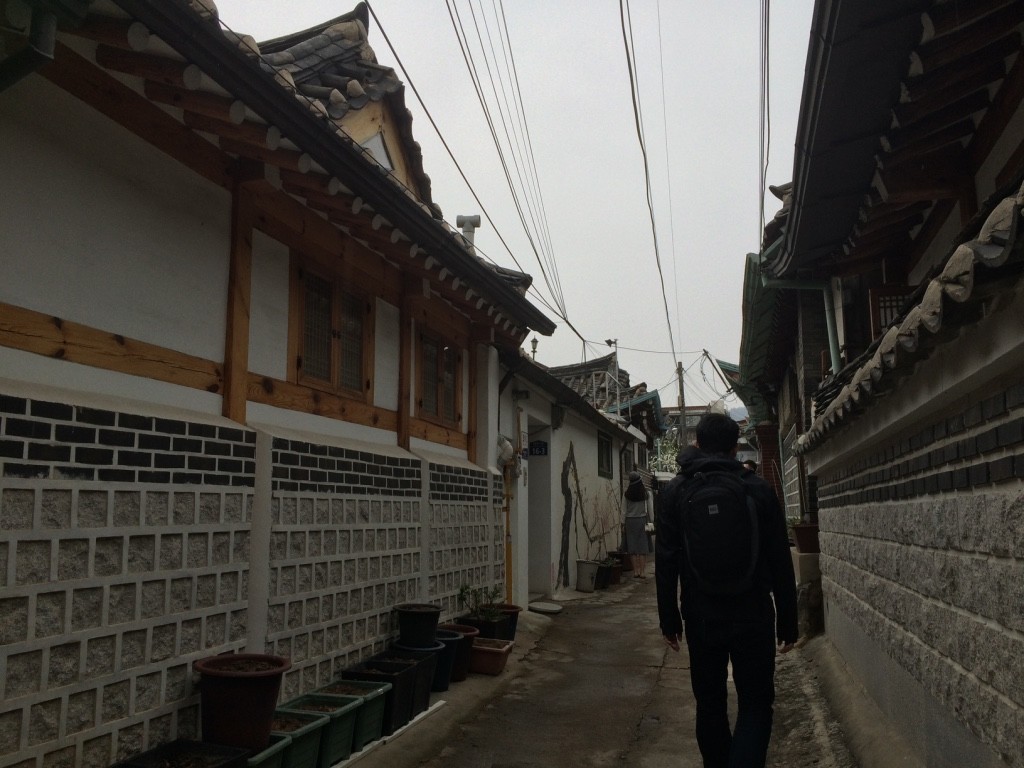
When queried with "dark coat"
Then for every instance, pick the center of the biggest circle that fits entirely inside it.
(678, 600)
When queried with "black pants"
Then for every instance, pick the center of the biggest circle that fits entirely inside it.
(750, 646)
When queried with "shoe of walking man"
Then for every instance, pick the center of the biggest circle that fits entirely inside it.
(721, 556)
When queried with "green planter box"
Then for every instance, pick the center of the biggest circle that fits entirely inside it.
(336, 734)
(272, 756)
(369, 717)
(185, 752)
(304, 730)
(402, 678)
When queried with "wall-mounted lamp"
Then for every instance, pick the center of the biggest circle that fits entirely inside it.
(533, 347)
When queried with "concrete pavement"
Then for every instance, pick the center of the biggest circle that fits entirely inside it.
(595, 686)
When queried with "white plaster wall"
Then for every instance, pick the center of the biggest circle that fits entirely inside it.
(385, 356)
(99, 228)
(268, 322)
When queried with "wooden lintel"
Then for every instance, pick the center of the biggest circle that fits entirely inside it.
(280, 157)
(297, 397)
(95, 87)
(210, 104)
(159, 69)
(54, 337)
(247, 132)
(435, 433)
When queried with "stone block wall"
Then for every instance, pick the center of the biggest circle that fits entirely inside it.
(923, 552)
(124, 551)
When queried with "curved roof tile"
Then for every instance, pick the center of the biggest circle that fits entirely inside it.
(919, 331)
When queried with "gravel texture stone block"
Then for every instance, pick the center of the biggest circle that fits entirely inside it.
(17, 507)
(165, 638)
(141, 554)
(171, 551)
(55, 509)
(24, 674)
(181, 594)
(81, 711)
(32, 562)
(93, 509)
(60, 758)
(86, 608)
(133, 648)
(10, 731)
(98, 752)
(184, 509)
(44, 721)
(209, 508)
(72, 559)
(65, 664)
(130, 740)
(100, 656)
(206, 590)
(108, 556)
(154, 598)
(116, 701)
(13, 620)
(156, 508)
(198, 553)
(147, 691)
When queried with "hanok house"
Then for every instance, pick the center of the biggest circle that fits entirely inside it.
(247, 373)
(882, 350)
(603, 384)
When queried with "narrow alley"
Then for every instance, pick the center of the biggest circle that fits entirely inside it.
(595, 686)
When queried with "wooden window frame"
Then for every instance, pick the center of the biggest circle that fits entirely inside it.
(340, 288)
(605, 463)
(442, 343)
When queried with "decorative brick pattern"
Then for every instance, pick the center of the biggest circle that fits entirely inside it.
(54, 441)
(308, 467)
(458, 484)
(125, 545)
(979, 445)
(124, 556)
(922, 546)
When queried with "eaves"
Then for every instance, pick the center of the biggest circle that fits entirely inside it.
(200, 42)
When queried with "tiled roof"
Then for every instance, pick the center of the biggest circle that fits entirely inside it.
(181, 80)
(333, 65)
(925, 326)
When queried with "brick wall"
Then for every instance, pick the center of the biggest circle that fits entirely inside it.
(118, 569)
(923, 550)
(125, 556)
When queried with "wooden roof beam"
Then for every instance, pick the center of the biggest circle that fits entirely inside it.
(280, 157)
(927, 123)
(929, 102)
(937, 176)
(915, 87)
(942, 19)
(84, 80)
(159, 69)
(899, 147)
(884, 214)
(247, 132)
(126, 34)
(221, 108)
(968, 41)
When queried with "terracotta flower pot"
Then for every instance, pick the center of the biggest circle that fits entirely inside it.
(489, 655)
(238, 694)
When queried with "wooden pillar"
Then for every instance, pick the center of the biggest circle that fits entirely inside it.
(236, 341)
(405, 360)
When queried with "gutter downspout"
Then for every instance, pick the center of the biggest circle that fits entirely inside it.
(825, 286)
(42, 40)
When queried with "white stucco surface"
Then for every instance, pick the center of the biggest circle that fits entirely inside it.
(268, 323)
(129, 241)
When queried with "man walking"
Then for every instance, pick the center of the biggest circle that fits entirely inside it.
(721, 555)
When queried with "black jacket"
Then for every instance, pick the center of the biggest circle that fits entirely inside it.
(678, 601)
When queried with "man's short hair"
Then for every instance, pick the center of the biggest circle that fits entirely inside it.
(717, 433)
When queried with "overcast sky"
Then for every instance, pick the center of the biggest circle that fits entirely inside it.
(697, 66)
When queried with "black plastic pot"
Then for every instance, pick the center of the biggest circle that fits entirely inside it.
(417, 623)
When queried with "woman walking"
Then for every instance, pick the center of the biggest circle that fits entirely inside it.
(637, 516)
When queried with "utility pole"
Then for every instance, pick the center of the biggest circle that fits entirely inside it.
(682, 408)
(615, 343)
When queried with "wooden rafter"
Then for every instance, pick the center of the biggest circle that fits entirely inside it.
(87, 82)
(202, 102)
(158, 69)
(920, 86)
(936, 176)
(247, 132)
(941, 19)
(971, 39)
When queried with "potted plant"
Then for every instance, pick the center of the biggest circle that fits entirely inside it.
(460, 663)
(370, 716)
(511, 611)
(490, 655)
(417, 623)
(337, 733)
(481, 610)
(304, 729)
(272, 756)
(238, 694)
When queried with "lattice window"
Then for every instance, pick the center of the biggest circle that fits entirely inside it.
(440, 380)
(886, 302)
(333, 338)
